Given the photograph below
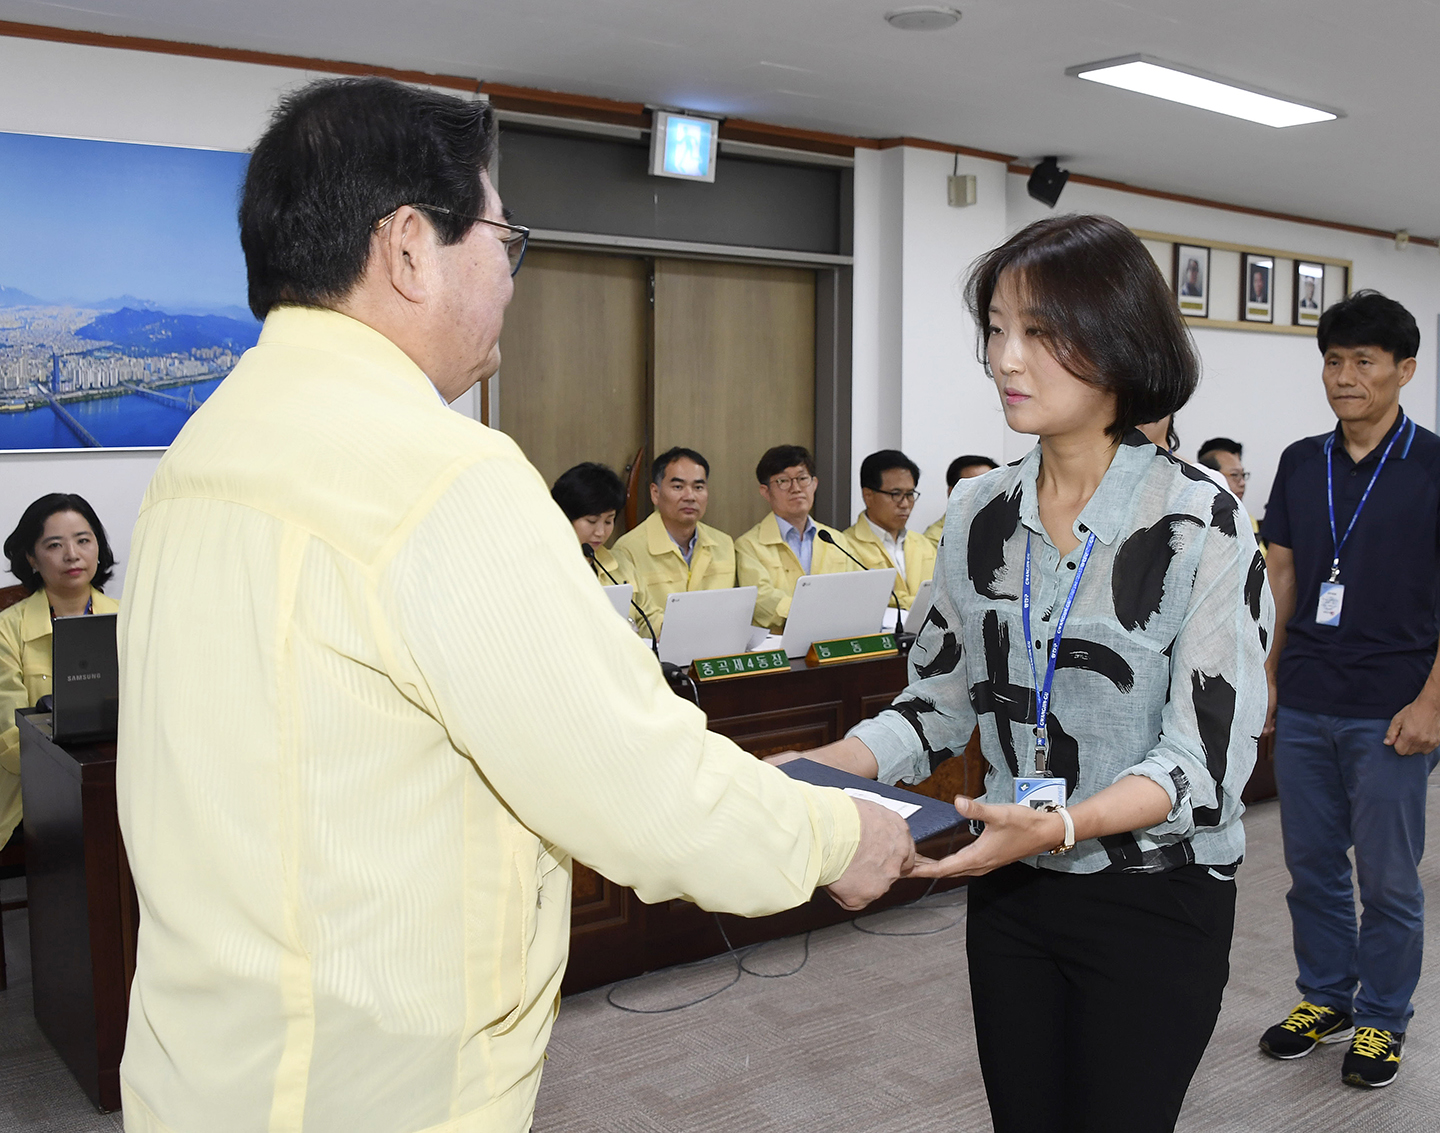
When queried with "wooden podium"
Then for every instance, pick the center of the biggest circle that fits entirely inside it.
(83, 911)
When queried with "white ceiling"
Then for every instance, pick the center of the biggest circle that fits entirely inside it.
(995, 81)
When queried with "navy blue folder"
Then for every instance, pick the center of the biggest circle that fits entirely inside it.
(934, 817)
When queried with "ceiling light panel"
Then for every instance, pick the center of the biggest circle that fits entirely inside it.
(1145, 74)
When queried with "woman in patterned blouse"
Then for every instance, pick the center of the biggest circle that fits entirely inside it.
(1099, 931)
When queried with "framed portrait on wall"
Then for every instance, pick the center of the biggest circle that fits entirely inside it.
(1192, 280)
(1257, 288)
(1309, 293)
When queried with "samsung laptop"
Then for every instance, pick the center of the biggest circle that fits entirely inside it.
(706, 623)
(86, 682)
(827, 606)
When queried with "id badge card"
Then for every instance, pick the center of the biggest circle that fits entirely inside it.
(1037, 792)
(1332, 597)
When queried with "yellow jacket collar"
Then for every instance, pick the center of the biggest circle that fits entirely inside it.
(865, 533)
(35, 612)
(658, 541)
(319, 328)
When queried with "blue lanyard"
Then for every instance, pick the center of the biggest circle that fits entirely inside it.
(1042, 694)
(1330, 493)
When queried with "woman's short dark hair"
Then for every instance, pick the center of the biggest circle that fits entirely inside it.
(21, 542)
(588, 489)
(338, 156)
(1368, 318)
(781, 457)
(874, 467)
(1105, 311)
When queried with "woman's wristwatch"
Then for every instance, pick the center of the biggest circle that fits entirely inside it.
(1069, 843)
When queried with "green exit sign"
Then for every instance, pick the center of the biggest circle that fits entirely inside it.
(740, 665)
(852, 649)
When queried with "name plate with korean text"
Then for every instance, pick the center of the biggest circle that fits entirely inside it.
(739, 665)
(852, 649)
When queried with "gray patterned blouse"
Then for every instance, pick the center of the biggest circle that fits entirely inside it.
(1161, 665)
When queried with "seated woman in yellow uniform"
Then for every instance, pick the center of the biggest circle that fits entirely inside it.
(59, 552)
(590, 495)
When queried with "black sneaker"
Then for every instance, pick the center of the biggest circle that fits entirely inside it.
(1373, 1059)
(1304, 1029)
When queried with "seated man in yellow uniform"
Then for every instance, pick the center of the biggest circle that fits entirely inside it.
(773, 554)
(961, 468)
(887, 483)
(672, 551)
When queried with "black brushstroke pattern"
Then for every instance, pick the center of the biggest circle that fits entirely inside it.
(1064, 754)
(1077, 653)
(1137, 583)
(911, 708)
(1136, 439)
(990, 530)
(1255, 585)
(1214, 699)
(1223, 513)
(948, 657)
(1127, 857)
(1008, 702)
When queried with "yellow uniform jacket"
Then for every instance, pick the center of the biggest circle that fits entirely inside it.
(919, 558)
(935, 530)
(764, 560)
(350, 791)
(654, 564)
(25, 672)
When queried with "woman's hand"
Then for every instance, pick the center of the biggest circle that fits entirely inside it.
(1012, 832)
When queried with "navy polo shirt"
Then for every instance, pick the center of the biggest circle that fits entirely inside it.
(1376, 660)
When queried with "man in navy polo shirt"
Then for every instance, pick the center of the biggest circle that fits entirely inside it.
(1354, 530)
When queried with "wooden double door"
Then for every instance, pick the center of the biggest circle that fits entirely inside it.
(605, 354)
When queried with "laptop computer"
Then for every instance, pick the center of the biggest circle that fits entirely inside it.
(915, 615)
(706, 623)
(827, 606)
(86, 682)
(620, 598)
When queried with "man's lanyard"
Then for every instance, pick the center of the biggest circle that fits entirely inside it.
(1339, 542)
(1042, 694)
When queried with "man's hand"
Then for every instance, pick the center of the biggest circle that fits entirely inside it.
(1272, 703)
(1012, 832)
(886, 854)
(1415, 729)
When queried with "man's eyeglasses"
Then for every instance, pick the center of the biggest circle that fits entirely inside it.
(784, 483)
(898, 495)
(516, 239)
(1243, 477)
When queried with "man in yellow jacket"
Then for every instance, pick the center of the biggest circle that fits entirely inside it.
(879, 537)
(349, 790)
(672, 551)
(774, 554)
(961, 468)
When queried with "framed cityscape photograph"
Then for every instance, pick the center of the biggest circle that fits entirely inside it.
(1191, 273)
(1257, 288)
(1309, 293)
(122, 289)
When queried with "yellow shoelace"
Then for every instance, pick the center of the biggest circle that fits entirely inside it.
(1372, 1042)
(1304, 1017)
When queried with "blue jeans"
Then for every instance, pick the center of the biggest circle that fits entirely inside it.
(1340, 786)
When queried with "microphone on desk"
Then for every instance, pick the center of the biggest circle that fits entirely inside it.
(826, 537)
(589, 553)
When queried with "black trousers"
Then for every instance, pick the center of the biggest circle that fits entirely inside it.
(1095, 995)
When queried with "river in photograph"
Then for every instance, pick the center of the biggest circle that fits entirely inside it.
(131, 420)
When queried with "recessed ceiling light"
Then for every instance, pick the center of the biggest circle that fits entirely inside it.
(923, 18)
(1145, 74)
